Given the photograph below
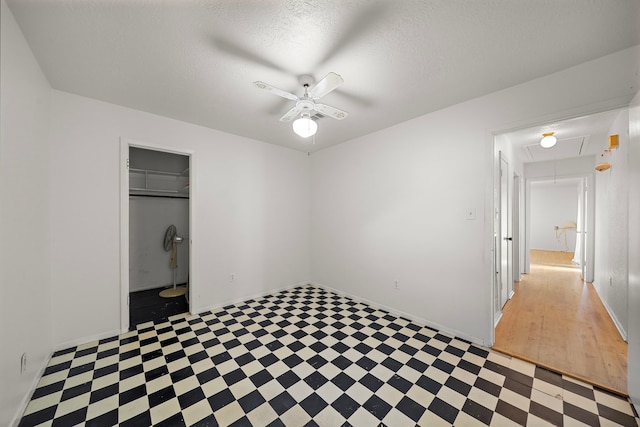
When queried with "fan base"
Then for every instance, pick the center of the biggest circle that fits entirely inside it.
(173, 292)
(306, 80)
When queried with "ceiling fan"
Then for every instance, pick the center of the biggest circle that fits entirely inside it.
(306, 105)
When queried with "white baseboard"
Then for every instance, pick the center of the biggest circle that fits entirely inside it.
(440, 328)
(86, 340)
(27, 398)
(218, 306)
(117, 332)
(619, 327)
(498, 317)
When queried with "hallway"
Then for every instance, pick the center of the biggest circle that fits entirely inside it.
(557, 321)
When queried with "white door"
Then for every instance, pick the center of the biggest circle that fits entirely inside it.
(515, 233)
(505, 235)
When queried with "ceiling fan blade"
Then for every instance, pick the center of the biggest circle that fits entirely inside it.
(361, 25)
(238, 51)
(358, 99)
(275, 90)
(326, 85)
(329, 111)
(291, 114)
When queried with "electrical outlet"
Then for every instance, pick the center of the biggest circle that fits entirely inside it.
(396, 284)
(23, 363)
(610, 281)
(470, 214)
(232, 278)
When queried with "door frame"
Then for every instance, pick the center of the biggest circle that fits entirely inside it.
(505, 228)
(125, 144)
(515, 231)
(588, 183)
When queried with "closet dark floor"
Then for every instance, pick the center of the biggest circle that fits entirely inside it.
(149, 306)
(306, 357)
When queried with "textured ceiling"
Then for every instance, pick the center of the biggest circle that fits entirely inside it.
(195, 60)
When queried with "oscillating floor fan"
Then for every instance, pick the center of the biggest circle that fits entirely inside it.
(170, 243)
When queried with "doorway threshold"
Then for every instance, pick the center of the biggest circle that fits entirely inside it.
(622, 393)
(149, 306)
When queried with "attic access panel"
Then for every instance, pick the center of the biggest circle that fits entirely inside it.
(564, 149)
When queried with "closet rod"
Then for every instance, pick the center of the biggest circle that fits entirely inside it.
(153, 190)
(159, 195)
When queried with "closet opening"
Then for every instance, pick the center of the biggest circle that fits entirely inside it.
(159, 246)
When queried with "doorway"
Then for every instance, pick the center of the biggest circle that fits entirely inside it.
(580, 138)
(559, 219)
(555, 319)
(156, 210)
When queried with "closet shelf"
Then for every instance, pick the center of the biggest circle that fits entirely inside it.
(147, 181)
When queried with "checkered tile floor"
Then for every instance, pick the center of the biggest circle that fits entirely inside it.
(306, 357)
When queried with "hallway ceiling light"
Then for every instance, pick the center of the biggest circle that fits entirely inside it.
(548, 140)
(305, 126)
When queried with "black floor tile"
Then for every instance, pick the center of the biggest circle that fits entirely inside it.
(149, 306)
(290, 356)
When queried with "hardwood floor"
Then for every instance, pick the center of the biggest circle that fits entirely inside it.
(557, 321)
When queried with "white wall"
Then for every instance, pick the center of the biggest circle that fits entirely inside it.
(553, 205)
(59, 215)
(391, 205)
(634, 253)
(149, 263)
(250, 213)
(25, 304)
(611, 279)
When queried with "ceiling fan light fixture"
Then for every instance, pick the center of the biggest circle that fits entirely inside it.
(548, 140)
(305, 127)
